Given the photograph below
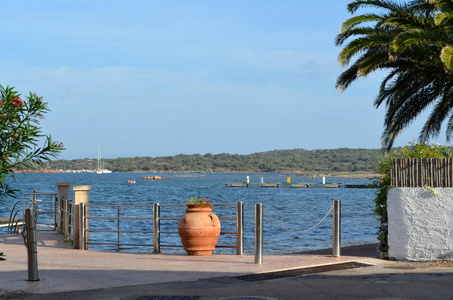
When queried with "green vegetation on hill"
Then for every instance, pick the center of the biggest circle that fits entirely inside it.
(296, 160)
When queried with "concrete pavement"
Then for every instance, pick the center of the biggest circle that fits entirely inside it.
(66, 273)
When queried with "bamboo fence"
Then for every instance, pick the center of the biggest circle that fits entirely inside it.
(419, 172)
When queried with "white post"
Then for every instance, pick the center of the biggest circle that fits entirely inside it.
(336, 228)
(240, 228)
(259, 233)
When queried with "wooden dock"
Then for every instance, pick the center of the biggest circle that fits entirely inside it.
(270, 185)
(299, 185)
(241, 184)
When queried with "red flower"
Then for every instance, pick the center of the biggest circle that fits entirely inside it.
(17, 102)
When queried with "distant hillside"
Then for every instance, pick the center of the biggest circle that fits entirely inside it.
(296, 160)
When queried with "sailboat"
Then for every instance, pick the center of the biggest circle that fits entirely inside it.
(100, 168)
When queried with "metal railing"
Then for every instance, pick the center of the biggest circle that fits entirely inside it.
(336, 230)
(64, 217)
(239, 218)
(118, 219)
(46, 207)
(17, 215)
(156, 219)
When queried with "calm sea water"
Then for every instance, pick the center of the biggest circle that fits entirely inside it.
(293, 208)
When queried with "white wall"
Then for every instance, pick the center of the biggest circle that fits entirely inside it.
(420, 224)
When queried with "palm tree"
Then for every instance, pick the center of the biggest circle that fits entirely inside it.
(439, 36)
(418, 79)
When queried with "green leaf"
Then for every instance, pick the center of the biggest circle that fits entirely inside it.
(440, 18)
(446, 56)
(406, 39)
(354, 21)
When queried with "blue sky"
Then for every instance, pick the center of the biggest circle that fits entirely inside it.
(155, 78)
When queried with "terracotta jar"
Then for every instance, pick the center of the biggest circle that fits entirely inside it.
(199, 230)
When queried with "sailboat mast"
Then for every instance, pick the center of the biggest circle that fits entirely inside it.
(99, 157)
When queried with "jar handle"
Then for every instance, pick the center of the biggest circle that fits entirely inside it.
(213, 223)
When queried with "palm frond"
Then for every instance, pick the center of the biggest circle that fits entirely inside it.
(446, 55)
(389, 5)
(438, 114)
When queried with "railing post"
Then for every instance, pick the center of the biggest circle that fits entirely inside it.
(240, 228)
(58, 208)
(259, 233)
(81, 195)
(117, 228)
(156, 228)
(66, 217)
(83, 226)
(32, 253)
(34, 196)
(336, 228)
(71, 216)
(63, 218)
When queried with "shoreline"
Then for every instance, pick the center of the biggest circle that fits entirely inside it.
(352, 175)
(38, 171)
